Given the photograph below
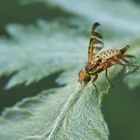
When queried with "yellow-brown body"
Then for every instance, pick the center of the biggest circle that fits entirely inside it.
(104, 60)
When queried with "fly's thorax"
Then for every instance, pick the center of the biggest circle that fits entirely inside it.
(91, 65)
(88, 66)
(96, 58)
(109, 54)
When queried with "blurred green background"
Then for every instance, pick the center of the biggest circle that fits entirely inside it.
(121, 111)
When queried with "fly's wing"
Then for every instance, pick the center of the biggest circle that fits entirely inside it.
(95, 40)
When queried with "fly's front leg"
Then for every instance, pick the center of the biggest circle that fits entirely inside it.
(94, 79)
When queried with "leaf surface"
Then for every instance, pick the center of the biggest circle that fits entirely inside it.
(67, 113)
(34, 52)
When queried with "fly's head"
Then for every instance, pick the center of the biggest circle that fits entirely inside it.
(84, 77)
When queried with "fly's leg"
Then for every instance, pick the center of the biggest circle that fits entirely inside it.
(106, 75)
(133, 65)
(94, 79)
(119, 61)
(116, 60)
(126, 61)
(129, 56)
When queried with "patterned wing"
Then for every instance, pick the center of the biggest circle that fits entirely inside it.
(95, 40)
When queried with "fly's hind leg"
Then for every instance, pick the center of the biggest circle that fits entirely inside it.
(128, 56)
(106, 75)
(120, 62)
(93, 82)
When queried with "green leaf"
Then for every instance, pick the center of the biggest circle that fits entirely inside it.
(67, 113)
(56, 114)
(34, 52)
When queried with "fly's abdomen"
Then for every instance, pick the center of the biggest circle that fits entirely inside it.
(109, 54)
